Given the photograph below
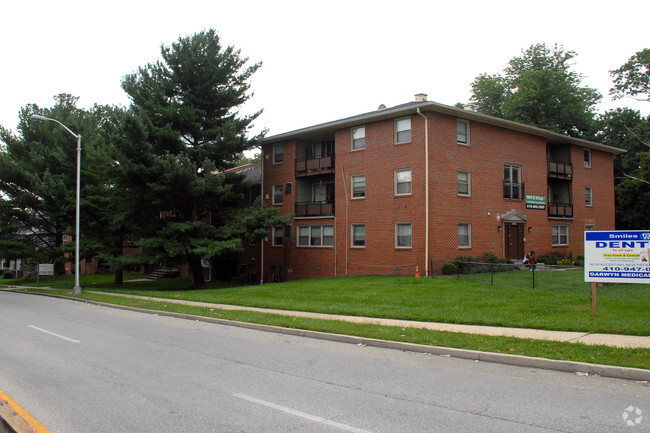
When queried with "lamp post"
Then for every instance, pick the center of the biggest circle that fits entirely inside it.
(77, 286)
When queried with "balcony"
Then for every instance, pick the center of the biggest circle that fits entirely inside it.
(314, 209)
(315, 165)
(514, 191)
(560, 210)
(560, 170)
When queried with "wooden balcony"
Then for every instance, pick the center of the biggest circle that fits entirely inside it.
(560, 170)
(314, 209)
(314, 166)
(560, 210)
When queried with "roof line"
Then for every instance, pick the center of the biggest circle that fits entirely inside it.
(411, 108)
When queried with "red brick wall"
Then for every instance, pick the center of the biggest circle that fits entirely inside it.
(489, 149)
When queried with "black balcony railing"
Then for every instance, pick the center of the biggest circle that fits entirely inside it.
(514, 191)
(560, 210)
(314, 209)
(560, 170)
(308, 166)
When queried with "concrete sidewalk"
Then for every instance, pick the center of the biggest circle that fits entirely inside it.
(623, 341)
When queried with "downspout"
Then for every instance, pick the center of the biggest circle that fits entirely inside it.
(347, 205)
(262, 205)
(426, 192)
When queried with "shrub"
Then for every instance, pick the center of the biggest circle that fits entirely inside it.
(544, 260)
(7, 274)
(449, 269)
(580, 260)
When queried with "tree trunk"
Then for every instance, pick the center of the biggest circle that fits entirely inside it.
(119, 276)
(197, 271)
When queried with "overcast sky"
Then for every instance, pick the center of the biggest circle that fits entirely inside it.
(321, 60)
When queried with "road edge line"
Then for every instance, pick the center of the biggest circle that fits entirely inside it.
(22, 415)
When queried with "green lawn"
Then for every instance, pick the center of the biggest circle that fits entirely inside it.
(562, 303)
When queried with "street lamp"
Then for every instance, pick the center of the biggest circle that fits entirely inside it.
(77, 286)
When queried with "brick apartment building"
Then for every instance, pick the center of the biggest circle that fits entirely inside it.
(388, 191)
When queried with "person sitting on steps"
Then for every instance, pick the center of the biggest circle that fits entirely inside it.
(530, 260)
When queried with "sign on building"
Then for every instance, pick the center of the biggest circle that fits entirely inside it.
(617, 256)
(535, 201)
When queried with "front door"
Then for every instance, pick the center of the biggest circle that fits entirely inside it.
(515, 241)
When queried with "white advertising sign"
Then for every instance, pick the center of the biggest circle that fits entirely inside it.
(617, 256)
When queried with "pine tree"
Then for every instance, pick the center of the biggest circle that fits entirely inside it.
(184, 131)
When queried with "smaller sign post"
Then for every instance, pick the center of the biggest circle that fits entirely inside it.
(45, 269)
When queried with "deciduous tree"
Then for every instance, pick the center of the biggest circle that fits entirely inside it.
(539, 88)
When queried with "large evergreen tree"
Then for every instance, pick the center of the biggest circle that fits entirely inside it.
(38, 173)
(539, 88)
(184, 131)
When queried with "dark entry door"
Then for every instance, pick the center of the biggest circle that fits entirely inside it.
(515, 241)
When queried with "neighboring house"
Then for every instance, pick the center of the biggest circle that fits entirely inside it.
(387, 191)
(241, 267)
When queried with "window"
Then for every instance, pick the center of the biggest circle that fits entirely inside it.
(359, 186)
(462, 132)
(463, 183)
(403, 130)
(590, 228)
(588, 196)
(403, 235)
(587, 158)
(464, 235)
(359, 138)
(315, 236)
(560, 235)
(277, 194)
(512, 186)
(278, 153)
(358, 235)
(278, 236)
(403, 182)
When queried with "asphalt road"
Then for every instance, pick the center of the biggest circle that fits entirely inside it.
(78, 367)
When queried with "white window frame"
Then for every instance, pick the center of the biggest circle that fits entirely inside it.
(352, 179)
(402, 247)
(313, 242)
(410, 182)
(469, 235)
(279, 186)
(589, 196)
(274, 237)
(400, 129)
(587, 158)
(275, 153)
(469, 183)
(518, 181)
(556, 235)
(354, 233)
(466, 133)
(360, 140)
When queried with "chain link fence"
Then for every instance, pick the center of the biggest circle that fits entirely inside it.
(500, 272)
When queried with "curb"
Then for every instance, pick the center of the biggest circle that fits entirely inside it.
(627, 373)
(14, 419)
